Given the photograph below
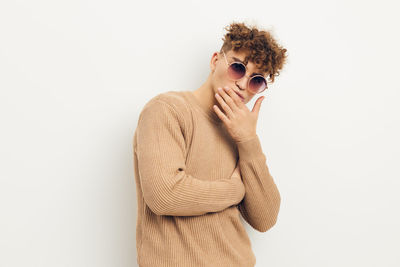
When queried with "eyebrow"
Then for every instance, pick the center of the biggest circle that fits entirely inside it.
(254, 73)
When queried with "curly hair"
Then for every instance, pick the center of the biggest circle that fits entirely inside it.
(262, 49)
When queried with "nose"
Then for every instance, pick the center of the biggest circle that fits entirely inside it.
(242, 83)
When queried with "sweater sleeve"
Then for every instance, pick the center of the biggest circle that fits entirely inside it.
(167, 188)
(261, 203)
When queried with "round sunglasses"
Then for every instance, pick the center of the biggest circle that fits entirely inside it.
(237, 70)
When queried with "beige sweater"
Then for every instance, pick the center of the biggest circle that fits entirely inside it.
(188, 201)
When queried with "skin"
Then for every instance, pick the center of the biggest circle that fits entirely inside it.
(218, 92)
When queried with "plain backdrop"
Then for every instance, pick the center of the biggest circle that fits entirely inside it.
(74, 76)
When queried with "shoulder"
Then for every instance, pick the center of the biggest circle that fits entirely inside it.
(167, 111)
(167, 104)
(174, 99)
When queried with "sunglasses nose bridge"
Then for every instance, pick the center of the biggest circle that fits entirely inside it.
(240, 79)
(244, 81)
(245, 84)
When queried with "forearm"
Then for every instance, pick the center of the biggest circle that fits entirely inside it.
(185, 195)
(261, 203)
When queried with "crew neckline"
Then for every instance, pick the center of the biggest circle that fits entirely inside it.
(206, 110)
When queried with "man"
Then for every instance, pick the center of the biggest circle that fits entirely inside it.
(199, 163)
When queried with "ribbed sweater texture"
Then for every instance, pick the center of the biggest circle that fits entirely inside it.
(189, 204)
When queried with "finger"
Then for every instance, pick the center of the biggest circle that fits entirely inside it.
(232, 98)
(224, 105)
(220, 114)
(257, 105)
(236, 99)
(227, 98)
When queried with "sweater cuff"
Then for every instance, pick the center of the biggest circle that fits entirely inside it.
(250, 148)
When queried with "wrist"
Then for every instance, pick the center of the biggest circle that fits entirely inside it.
(245, 139)
(250, 148)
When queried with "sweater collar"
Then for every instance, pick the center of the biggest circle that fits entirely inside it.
(206, 110)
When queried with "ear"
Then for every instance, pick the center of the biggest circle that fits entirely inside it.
(213, 62)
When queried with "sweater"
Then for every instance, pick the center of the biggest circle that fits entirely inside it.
(189, 204)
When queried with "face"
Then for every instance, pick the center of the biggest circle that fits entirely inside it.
(219, 76)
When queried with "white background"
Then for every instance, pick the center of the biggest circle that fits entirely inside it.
(74, 76)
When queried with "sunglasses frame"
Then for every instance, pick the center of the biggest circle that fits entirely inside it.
(248, 82)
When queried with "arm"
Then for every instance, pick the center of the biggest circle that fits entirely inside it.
(167, 188)
(261, 203)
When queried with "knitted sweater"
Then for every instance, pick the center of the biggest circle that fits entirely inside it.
(188, 201)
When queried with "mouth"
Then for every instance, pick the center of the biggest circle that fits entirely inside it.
(241, 97)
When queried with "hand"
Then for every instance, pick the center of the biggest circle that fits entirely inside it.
(240, 122)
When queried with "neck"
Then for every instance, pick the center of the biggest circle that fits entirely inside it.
(206, 96)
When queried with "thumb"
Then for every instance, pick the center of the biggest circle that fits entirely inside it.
(257, 105)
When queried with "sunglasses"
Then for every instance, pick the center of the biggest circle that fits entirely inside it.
(237, 70)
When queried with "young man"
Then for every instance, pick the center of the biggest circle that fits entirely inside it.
(199, 163)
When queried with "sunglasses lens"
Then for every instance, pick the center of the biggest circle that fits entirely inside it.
(236, 71)
(257, 84)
